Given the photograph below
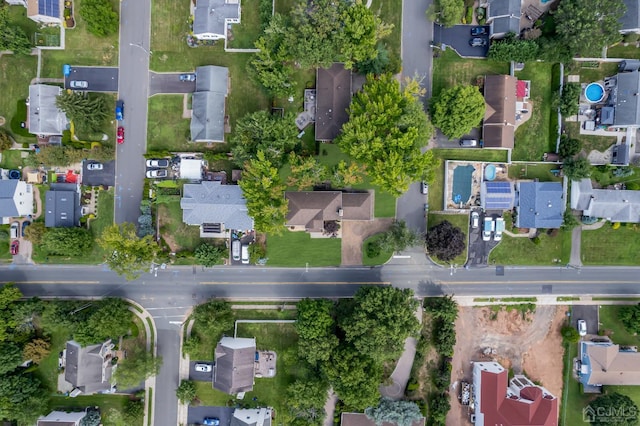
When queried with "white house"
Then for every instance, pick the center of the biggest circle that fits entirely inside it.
(16, 199)
(211, 18)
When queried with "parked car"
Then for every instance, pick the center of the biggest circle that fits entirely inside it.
(24, 226)
(245, 254)
(475, 220)
(120, 137)
(188, 77)
(14, 229)
(582, 327)
(424, 187)
(468, 143)
(478, 31)
(158, 163)
(477, 42)
(15, 247)
(489, 226)
(211, 421)
(78, 84)
(95, 166)
(160, 173)
(499, 229)
(203, 368)
(235, 249)
(119, 110)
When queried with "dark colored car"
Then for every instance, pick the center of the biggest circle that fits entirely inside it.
(120, 137)
(477, 42)
(188, 77)
(478, 31)
(15, 247)
(24, 226)
(119, 110)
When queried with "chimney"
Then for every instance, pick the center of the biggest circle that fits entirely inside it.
(340, 212)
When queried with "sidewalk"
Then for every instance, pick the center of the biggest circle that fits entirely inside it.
(611, 299)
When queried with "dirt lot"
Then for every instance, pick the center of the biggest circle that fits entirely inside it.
(353, 235)
(532, 345)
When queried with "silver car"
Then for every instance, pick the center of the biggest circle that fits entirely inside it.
(203, 368)
(160, 173)
(94, 166)
(79, 84)
(158, 163)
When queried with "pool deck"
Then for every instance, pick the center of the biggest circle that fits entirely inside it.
(477, 177)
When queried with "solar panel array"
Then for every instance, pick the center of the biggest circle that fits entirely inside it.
(49, 8)
(499, 195)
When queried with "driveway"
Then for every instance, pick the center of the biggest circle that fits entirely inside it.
(197, 414)
(417, 33)
(169, 83)
(353, 235)
(100, 79)
(458, 37)
(478, 254)
(104, 177)
(200, 376)
(589, 313)
(410, 208)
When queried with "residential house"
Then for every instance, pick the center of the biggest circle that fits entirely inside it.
(61, 418)
(62, 206)
(310, 210)
(620, 154)
(215, 208)
(515, 402)
(605, 363)
(88, 369)
(614, 205)
(623, 97)
(630, 20)
(499, 124)
(497, 195)
(333, 96)
(208, 104)
(44, 117)
(539, 204)
(234, 367)
(212, 18)
(503, 16)
(16, 199)
(251, 417)
(360, 419)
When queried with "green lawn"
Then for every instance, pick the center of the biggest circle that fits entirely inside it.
(621, 51)
(103, 51)
(522, 251)
(297, 249)
(589, 142)
(248, 30)
(536, 137)
(459, 220)
(609, 321)
(436, 189)
(604, 175)
(380, 259)
(16, 73)
(18, 17)
(47, 371)
(542, 172)
(488, 155)
(187, 237)
(573, 400)
(450, 69)
(5, 254)
(390, 12)
(608, 246)
(107, 404)
(167, 130)
(589, 74)
(11, 159)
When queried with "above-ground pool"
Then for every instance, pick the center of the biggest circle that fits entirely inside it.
(594, 93)
(490, 172)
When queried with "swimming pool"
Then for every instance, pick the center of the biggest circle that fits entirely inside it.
(594, 92)
(490, 172)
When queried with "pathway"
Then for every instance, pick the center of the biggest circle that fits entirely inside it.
(149, 332)
(576, 241)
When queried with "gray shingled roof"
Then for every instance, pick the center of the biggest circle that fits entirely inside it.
(211, 202)
(539, 204)
(626, 99)
(62, 206)
(630, 20)
(208, 104)
(506, 24)
(504, 8)
(7, 191)
(611, 204)
(86, 368)
(235, 365)
(210, 16)
(44, 117)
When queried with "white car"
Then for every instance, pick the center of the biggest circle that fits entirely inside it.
(94, 166)
(475, 220)
(78, 84)
(203, 368)
(158, 163)
(582, 327)
(161, 173)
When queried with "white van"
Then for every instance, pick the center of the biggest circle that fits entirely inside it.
(468, 143)
(15, 227)
(235, 250)
(245, 254)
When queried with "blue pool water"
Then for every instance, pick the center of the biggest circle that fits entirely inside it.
(594, 92)
(490, 172)
(462, 179)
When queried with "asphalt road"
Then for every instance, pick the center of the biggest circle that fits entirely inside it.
(133, 90)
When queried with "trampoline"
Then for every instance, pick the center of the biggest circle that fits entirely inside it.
(14, 174)
(490, 172)
(462, 179)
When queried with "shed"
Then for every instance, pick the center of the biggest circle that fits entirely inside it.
(629, 65)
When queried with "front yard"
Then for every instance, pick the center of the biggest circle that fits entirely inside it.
(298, 249)
(522, 251)
(166, 129)
(608, 246)
(458, 220)
(173, 230)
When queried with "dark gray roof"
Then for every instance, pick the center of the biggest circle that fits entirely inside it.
(61, 418)
(88, 368)
(62, 206)
(504, 8)
(251, 417)
(210, 16)
(630, 20)
(208, 104)
(505, 24)
(611, 204)
(626, 99)
(620, 155)
(333, 96)
(44, 117)
(212, 202)
(607, 115)
(8, 189)
(497, 195)
(212, 78)
(539, 204)
(235, 365)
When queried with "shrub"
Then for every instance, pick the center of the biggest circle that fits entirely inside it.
(469, 15)
(615, 225)
(373, 248)
(535, 240)
(630, 37)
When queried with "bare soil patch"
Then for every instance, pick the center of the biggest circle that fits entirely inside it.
(353, 235)
(529, 344)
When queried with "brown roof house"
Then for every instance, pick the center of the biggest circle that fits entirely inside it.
(234, 368)
(61, 418)
(333, 96)
(500, 114)
(509, 403)
(605, 363)
(360, 419)
(88, 369)
(309, 210)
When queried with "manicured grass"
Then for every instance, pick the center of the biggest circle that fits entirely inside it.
(207, 395)
(5, 254)
(248, 30)
(542, 172)
(522, 251)
(588, 74)
(172, 226)
(608, 246)
(449, 69)
(16, 73)
(102, 51)
(458, 220)
(533, 138)
(390, 12)
(167, 130)
(265, 314)
(604, 175)
(589, 142)
(436, 189)
(11, 159)
(621, 51)
(107, 403)
(298, 249)
(573, 400)
(488, 155)
(18, 17)
(380, 259)
(609, 321)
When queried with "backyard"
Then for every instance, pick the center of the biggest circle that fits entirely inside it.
(298, 249)
(589, 142)
(249, 29)
(523, 251)
(541, 172)
(458, 220)
(593, 71)
(608, 246)
(621, 51)
(487, 155)
(449, 69)
(16, 73)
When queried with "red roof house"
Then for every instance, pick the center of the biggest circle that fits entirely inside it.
(518, 402)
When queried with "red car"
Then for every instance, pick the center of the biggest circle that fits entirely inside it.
(120, 135)
(15, 247)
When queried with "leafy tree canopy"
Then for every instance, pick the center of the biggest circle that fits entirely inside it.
(5, 141)
(446, 12)
(22, 397)
(9, 295)
(355, 377)
(306, 399)
(316, 328)
(305, 172)
(88, 111)
(10, 357)
(614, 409)
(569, 147)
(36, 350)
(129, 254)
(569, 99)
(209, 255)
(100, 17)
(214, 317)
(629, 316)
(576, 168)
(400, 413)
(137, 367)
(512, 48)
(186, 392)
(13, 37)
(457, 110)
(445, 241)
(35, 233)
(110, 320)
(67, 241)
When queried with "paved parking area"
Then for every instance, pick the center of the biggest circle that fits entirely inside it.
(458, 37)
(106, 176)
(197, 414)
(169, 83)
(478, 254)
(100, 79)
(589, 313)
(199, 376)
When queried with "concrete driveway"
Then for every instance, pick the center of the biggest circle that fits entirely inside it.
(169, 83)
(417, 33)
(106, 176)
(410, 208)
(100, 79)
(200, 376)
(589, 313)
(478, 253)
(458, 37)
(197, 414)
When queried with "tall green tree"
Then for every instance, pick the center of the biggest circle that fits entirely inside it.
(13, 37)
(22, 397)
(354, 377)
(446, 12)
(5, 141)
(137, 367)
(264, 192)
(186, 392)
(209, 255)
(576, 168)
(128, 254)
(316, 330)
(613, 409)
(306, 399)
(445, 241)
(629, 316)
(569, 147)
(214, 317)
(399, 237)
(110, 320)
(306, 172)
(570, 99)
(387, 127)
(67, 241)
(512, 48)
(100, 17)
(10, 357)
(584, 28)
(35, 233)
(9, 295)
(457, 110)
(361, 30)
(381, 319)
(88, 111)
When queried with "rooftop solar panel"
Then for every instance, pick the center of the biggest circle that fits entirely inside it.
(49, 8)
